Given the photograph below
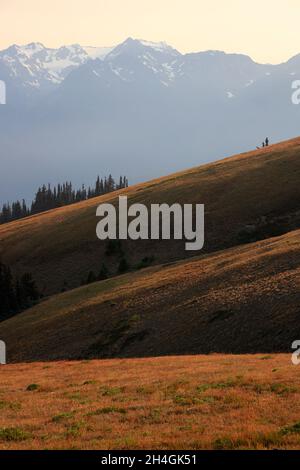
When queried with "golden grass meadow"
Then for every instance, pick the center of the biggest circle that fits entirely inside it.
(187, 402)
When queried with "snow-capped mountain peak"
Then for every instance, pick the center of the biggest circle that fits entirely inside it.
(133, 46)
(31, 49)
(136, 59)
(97, 52)
(34, 66)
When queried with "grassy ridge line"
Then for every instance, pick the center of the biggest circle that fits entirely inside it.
(61, 245)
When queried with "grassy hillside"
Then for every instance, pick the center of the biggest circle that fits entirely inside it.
(248, 197)
(212, 402)
(241, 300)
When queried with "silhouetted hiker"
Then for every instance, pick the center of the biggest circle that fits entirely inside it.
(267, 142)
(263, 144)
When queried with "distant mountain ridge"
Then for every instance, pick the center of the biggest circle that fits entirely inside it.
(140, 108)
(36, 66)
(34, 63)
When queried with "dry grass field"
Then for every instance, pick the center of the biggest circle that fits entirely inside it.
(192, 402)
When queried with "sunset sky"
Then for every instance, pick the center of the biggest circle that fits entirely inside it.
(266, 30)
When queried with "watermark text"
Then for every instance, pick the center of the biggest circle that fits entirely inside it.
(161, 222)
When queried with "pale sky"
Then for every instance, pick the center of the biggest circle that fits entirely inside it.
(267, 30)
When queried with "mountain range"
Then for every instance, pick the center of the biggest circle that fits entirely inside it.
(142, 109)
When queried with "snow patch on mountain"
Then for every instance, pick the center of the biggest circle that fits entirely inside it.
(97, 52)
(159, 46)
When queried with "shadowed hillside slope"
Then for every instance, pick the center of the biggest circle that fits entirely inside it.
(247, 198)
(242, 300)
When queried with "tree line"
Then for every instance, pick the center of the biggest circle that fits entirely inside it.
(47, 198)
(16, 294)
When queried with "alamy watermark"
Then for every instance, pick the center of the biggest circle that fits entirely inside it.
(296, 354)
(2, 92)
(161, 222)
(296, 93)
(2, 353)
